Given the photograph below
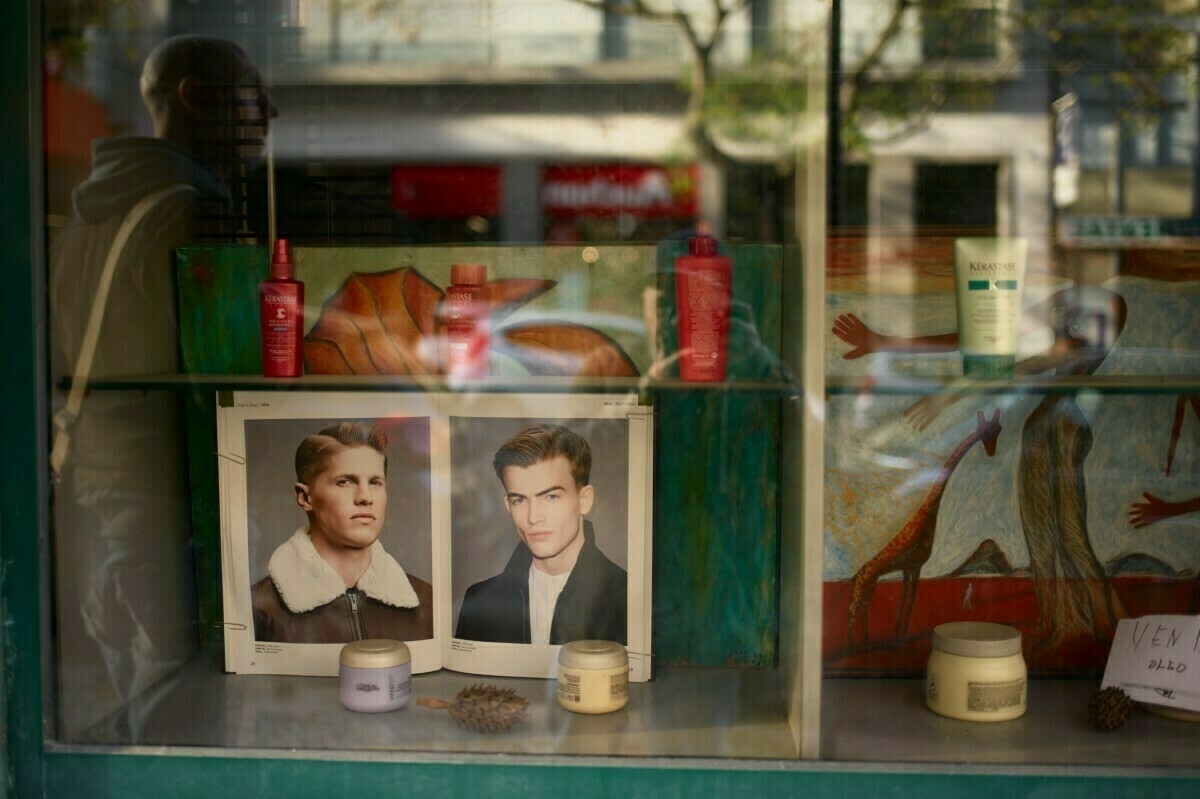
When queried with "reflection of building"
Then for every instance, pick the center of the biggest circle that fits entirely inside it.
(492, 100)
(987, 170)
(985, 165)
(581, 202)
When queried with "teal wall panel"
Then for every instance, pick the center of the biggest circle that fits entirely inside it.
(218, 304)
(218, 299)
(717, 485)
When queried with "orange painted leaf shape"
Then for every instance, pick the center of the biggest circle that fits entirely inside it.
(363, 329)
(564, 349)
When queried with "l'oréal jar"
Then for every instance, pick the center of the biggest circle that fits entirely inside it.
(375, 675)
(593, 676)
(976, 672)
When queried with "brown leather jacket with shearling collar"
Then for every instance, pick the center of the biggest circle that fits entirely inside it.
(304, 601)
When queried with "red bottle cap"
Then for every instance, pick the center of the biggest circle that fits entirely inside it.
(468, 274)
(281, 261)
(702, 243)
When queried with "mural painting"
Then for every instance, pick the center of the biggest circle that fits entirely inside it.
(1062, 524)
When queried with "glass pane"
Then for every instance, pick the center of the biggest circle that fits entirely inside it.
(410, 152)
(1011, 259)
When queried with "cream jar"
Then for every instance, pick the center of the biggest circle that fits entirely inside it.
(976, 672)
(375, 675)
(593, 676)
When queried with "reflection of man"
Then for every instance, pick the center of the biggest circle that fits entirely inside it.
(558, 586)
(332, 582)
(123, 503)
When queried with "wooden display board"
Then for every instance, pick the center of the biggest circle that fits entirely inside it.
(716, 515)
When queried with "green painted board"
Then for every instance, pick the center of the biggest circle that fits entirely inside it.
(716, 457)
(717, 487)
(195, 777)
(218, 301)
(218, 298)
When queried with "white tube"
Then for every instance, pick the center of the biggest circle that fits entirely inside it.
(989, 280)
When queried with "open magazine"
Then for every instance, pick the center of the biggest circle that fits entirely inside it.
(454, 533)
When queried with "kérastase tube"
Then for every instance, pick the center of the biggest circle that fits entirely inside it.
(989, 280)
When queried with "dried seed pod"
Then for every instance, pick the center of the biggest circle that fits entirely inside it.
(1109, 708)
(482, 708)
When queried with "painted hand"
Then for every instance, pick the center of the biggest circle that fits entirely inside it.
(922, 412)
(1154, 509)
(852, 330)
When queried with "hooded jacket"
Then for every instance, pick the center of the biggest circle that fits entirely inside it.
(592, 603)
(303, 600)
(139, 335)
(126, 468)
(124, 170)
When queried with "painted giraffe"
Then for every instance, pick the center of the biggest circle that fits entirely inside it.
(910, 548)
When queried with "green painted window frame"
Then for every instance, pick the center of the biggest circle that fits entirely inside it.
(35, 770)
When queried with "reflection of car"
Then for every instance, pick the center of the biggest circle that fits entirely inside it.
(382, 323)
(386, 323)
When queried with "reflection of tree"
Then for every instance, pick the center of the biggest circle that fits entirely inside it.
(749, 120)
(701, 31)
(395, 19)
(968, 49)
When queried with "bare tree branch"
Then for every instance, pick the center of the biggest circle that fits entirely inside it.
(700, 50)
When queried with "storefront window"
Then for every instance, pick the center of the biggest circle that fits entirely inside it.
(397, 159)
(489, 214)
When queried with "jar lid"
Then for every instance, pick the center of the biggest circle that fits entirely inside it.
(977, 639)
(374, 653)
(590, 654)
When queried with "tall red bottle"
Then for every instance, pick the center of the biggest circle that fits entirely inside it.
(281, 313)
(464, 317)
(703, 285)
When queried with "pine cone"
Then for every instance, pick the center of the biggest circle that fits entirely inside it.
(1109, 708)
(483, 708)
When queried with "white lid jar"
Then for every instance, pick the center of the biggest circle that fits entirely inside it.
(976, 672)
(593, 676)
(375, 675)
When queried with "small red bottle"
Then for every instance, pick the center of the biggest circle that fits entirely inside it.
(281, 312)
(703, 287)
(464, 322)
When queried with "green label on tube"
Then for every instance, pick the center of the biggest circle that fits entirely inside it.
(991, 285)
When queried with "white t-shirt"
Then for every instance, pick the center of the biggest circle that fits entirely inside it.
(543, 596)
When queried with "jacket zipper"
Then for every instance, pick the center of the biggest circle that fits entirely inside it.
(356, 623)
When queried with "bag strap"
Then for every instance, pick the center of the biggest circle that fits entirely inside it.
(65, 419)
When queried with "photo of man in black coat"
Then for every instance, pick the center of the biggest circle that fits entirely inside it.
(557, 586)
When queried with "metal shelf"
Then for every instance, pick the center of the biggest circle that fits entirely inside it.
(1029, 384)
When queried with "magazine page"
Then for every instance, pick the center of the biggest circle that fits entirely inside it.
(320, 490)
(549, 508)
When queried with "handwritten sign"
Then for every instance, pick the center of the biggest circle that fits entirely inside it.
(1156, 659)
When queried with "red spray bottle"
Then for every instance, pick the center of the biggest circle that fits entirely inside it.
(281, 312)
(463, 317)
(703, 281)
